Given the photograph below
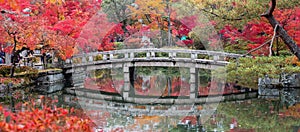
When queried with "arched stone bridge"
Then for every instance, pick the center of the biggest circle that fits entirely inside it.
(128, 59)
(149, 57)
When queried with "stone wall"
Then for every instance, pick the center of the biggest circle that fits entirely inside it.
(49, 82)
(287, 88)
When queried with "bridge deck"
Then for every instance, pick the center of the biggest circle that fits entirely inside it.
(151, 55)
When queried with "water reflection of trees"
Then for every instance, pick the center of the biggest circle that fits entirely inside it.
(156, 81)
(162, 81)
(106, 80)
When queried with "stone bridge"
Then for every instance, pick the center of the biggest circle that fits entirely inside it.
(148, 57)
(127, 59)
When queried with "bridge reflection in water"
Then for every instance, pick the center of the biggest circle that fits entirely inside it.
(129, 89)
(108, 110)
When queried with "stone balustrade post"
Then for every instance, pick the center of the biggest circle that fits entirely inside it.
(216, 57)
(153, 54)
(170, 55)
(132, 55)
(126, 55)
(68, 61)
(194, 56)
(91, 59)
(174, 54)
(83, 59)
(104, 56)
(111, 56)
(148, 55)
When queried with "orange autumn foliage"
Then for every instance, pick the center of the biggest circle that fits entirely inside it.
(293, 60)
(45, 119)
(45, 25)
(293, 111)
(147, 120)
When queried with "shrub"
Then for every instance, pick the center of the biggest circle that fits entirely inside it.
(98, 58)
(45, 119)
(246, 71)
(5, 70)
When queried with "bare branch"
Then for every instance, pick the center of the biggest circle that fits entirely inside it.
(257, 48)
(287, 39)
(271, 44)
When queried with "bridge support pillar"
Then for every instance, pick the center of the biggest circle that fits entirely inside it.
(193, 82)
(127, 85)
(78, 77)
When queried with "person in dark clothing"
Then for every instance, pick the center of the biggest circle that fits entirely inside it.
(48, 58)
(2, 56)
(1, 60)
(43, 59)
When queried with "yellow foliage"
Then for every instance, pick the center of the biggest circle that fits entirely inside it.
(148, 7)
(59, 2)
(61, 17)
(19, 47)
(296, 61)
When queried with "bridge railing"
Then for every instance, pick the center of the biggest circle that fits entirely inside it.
(149, 53)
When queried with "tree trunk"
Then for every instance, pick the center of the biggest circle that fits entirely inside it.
(284, 36)
(169, 24)
(12, 71)
(281, 31)
(14, 53)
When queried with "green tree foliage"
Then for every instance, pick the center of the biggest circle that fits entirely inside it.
(237, 12)
(260, 115)
(246, 71)
(116, 10)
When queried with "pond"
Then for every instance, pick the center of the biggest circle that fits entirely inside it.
(100, 100)
(247, 115)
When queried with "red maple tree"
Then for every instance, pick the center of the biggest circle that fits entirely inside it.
(259, 31)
